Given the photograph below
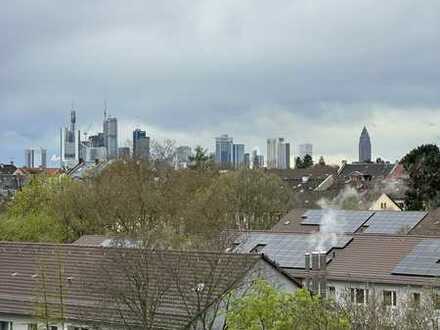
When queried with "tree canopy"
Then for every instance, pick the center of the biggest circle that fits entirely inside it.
(423, 167)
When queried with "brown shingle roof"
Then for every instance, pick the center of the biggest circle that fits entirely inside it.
(429, 226)
(371, 259)
(89, 271)
(373, 169)
(91, 240)
(291, 222)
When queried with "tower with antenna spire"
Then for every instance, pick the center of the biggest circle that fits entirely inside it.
(364, 146)
(110, 127)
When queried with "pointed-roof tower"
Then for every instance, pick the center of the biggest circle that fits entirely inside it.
(364, 146)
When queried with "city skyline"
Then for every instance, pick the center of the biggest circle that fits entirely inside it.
(193, 71)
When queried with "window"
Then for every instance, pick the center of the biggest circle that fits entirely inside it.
(436, 301)
(389, 298)
(416, 299)
(4, 325)
(359, 296)
(32, 326)
(332, 291)
(53, 327)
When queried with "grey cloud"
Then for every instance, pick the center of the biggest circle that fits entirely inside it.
(182, 67)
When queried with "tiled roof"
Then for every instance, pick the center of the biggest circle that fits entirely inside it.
(91, 240)
(88, 272)
(373, 169)
(429, 226)
(7, 169)
(372, 258)
(291, 222)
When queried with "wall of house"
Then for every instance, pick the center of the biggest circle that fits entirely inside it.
(403, 292)
(23, 323)
(262, 270)
(384, 203)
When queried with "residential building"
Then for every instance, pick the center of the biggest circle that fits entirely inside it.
(8, 182)
(305, 149)
(141, 145)
(238, 155)
(124, 153)
(111, 137)
(94, 275)
(368, 254)
(29, 155)
(278, 154)
(223, 151)
(182, 158)
(364, 147)
(389, 201)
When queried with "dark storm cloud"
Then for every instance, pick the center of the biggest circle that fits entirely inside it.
(194, 69)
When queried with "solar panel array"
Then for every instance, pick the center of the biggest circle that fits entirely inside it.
(288, 250)
(423, 260)
(341, 221)
(393, 222)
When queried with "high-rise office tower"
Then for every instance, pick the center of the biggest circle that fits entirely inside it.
(29, 158)
(182, 157)
(70, 143)
(43, 158)
(223, 151)
(364, 146)
(305, 149)
(283, 159)
(111, 137)
(141, 145)
(278, 153)
(124, 153)
(247, 160)
(256, 159)
(272, 153)
(238, 155)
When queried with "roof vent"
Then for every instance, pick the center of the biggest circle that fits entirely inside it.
(287, 222)
(34, 275)
(14, 274)
(70, 279)
(199, 287)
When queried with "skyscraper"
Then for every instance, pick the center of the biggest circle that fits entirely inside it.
(43, 155)
(69, 143)
(111, 137)
(272, 153)
(247, 160)
(364, 146)
(182, 158)
(278, 153)
(141, 145)
(124, 153)
(223, 151)
(29, 158)
(256, 159)
(305, 149)
(238, 155)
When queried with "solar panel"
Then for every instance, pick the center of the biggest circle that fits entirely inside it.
(339, 221)
(423, 260)
(288, 250)
(393, 222)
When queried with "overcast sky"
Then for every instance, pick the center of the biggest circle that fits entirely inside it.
(310, 71)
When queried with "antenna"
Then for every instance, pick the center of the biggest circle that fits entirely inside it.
(105, 109)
